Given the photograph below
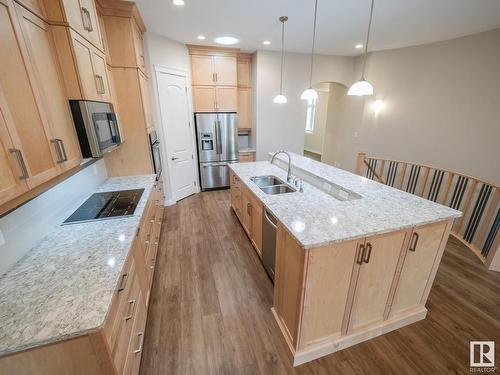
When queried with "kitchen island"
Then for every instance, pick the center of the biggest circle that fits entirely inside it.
(354, 258)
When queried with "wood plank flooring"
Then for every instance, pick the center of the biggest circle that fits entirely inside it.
(211, 299)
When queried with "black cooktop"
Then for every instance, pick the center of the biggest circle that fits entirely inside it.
(107, 205)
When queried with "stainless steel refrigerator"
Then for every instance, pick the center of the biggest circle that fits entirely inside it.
(217, 138)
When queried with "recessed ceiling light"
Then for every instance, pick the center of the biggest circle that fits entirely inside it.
(227, 40)
(358, 46)
(266, 42)
(201, 37)
(178, 2)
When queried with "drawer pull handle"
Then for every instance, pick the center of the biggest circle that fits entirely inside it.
(368, 252)
(123, 283)
(415, 242)
(20, 160)
(141, 342)
(131, 305)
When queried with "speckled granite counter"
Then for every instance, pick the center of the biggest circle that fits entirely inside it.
(315, 218)
(64, 286)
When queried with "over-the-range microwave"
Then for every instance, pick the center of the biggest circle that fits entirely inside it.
(96, 126)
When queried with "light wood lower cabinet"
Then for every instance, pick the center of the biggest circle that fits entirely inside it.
(331, 297)
(116, 348)
(246, 157)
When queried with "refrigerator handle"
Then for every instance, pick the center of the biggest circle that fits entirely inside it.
(219, 144)
(217, 137)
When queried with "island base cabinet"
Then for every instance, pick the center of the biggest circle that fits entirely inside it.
(333, 297)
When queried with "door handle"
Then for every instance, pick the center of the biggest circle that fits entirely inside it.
(99, 82)
(20, 161)
(174, 158)
(360, 254)
(57, 146)
(219, 144)
(413, 247)
(63, 149)
(368, 253)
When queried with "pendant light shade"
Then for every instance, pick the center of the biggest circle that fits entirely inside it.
(310, 93)
(363, 87)
(281, 99)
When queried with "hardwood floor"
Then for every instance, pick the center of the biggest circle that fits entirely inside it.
(211, 299)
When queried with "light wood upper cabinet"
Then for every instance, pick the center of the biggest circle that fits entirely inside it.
(81, 16)
(91, 66)
(226, 99)
(143, 82)
(138, 46)
(225, 71)
(202, 70)
(21, 104)
(419, 259)
(48, 77)
(12, 183)
(244, 108)
(35, 6)
(210, 70)
(244, 72)
(204, 99)
(376, 262)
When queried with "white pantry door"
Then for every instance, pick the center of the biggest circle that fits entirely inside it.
(176, 126)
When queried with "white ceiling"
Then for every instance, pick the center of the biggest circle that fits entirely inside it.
(341, 23)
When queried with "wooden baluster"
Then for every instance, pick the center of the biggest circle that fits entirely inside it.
(426, 177)
(487, 218)
(403, 173)
(448, 187)
(467, 204)
(381, 172)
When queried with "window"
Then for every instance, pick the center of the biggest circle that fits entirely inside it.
(311, 112)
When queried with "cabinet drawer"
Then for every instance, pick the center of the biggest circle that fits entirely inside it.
(246, 157)
(135, 345)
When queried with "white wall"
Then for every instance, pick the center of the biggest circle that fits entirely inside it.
(282, 126)
(442, 107)
(172, 55)
(313, 142)
(27, 225)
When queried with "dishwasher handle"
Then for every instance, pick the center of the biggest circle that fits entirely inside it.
(270, 218)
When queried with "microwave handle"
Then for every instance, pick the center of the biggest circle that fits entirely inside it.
(113, 125)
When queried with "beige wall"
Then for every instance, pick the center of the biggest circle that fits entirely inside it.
(442, 107)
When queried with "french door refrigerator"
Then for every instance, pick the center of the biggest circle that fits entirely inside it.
(217, 138)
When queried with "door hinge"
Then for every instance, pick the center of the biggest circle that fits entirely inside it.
(186, 89)
(192, 157)
(194, 183)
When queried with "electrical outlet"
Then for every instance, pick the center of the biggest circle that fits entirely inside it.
(2, 239)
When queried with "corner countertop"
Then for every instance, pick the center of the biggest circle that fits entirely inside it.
(315, 218)
(64, 286)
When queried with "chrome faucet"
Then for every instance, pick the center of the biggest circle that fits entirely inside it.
(289, 173)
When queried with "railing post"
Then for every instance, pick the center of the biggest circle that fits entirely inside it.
(360, 162)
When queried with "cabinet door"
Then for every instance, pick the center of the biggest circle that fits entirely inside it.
(204, 99)
(76, 15)
(84, 55)
(35, 6)
(246, 211)
(244, 75)
(226, 99)
(244, 108)
(12, 184)
(256, 213)
(379, 260)
(225, 71)
(104, 38)
(419, 260)
(20, 105)
(143, 81)
(101, 76)
(92, 24)
(138, 46)
(202, 68)
(42, 56)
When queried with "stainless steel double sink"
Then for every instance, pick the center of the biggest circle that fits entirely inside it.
(272, 185)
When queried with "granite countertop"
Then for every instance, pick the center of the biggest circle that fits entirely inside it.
(316, 218)
(64, 286)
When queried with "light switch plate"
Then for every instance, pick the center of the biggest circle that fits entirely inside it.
(2, 239)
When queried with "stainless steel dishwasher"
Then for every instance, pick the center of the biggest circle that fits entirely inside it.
(269, 225)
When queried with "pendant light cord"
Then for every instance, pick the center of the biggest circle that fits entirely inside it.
(367, 40)
(313, 40)
(282, 53)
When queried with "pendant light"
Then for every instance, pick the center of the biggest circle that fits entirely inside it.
(363, 87)
(311, 94)
(281, 99)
